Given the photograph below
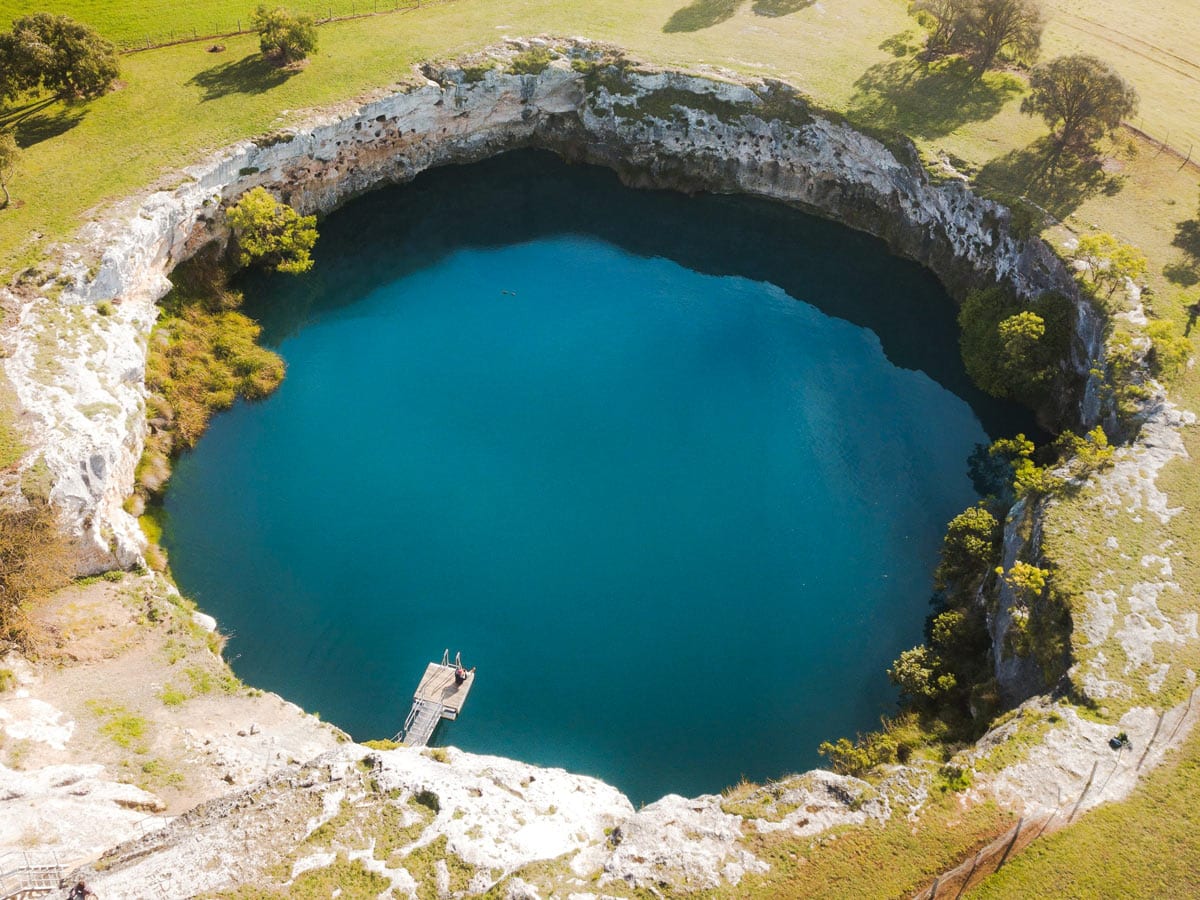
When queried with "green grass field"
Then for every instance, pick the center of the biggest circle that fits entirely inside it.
(1144, 847)
(131, 25)
(858, 56)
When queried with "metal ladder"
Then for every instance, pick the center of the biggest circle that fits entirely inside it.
(25, 874)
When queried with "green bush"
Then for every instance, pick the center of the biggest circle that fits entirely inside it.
(533, 61)
(34, 559)
(969, 549)
(860, 756)
(1169, 351)
(1014, 351)
(272, 234)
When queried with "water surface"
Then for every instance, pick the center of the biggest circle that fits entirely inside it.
(645, 459)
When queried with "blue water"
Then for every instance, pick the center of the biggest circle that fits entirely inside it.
(635, 454)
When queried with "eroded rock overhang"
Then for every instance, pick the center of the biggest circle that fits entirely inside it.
(655, 127)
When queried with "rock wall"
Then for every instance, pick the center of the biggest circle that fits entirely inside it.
(78, 361)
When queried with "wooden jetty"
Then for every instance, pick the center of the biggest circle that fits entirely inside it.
(438, 697)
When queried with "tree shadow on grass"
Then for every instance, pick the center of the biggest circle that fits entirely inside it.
(40, 120)
(1187, 239)
(253, 74)
(777, 9)
(928, 100)
(1053, 179)
(701, 14)
(46, 124)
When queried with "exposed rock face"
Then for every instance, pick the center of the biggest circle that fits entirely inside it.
(78, 369)
(79, 373)
(1018, 677)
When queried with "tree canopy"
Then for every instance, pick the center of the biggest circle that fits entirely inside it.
(1109, 264)
(984, 31)
(1080, 97)
(271, 233)
(283, 36)
(56, 54)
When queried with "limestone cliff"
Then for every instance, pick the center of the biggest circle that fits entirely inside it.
(79, 373)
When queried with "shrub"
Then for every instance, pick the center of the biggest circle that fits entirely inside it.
(533, 61)
(282, 36)
(1026, 580)
(1029, 479)
(1169, 352)
(1087, 454)
(860, 756)
(1108, 264)
(1010, 350)
(272, 234)
(969, 548)
(34, 560)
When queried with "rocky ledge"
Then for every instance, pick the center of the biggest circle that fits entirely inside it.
(77, 358)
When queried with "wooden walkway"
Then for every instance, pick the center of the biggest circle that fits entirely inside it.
(437, 697)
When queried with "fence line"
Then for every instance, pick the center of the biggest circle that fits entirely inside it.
(359, 9)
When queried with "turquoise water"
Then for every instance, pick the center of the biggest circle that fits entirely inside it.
(635, 454)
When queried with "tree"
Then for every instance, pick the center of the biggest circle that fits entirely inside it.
(1087, 454)
(942, 17)
(969, 548)
(1000, 29)
(8, 163)
(1019, 334)
(272, 233)
(1080, 97)
(920, 675)
(1109, 263)
(1011, 350)
(56, 54)
(1026, 580)
(984, 31)
(283, 36)
(1028, 477)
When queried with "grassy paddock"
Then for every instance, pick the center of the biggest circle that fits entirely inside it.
(1144, 847)
(132, 25)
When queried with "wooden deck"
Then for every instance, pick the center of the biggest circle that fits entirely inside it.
(437, 697)
(437, 686)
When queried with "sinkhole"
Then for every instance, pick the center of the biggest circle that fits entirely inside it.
(671, 471)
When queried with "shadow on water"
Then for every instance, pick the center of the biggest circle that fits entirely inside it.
(927, 100)
(527, 195)
(249, 75)
(1060, 181)
(701, 14)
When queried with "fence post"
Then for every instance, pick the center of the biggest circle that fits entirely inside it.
(966, 881)
(1011, 844)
